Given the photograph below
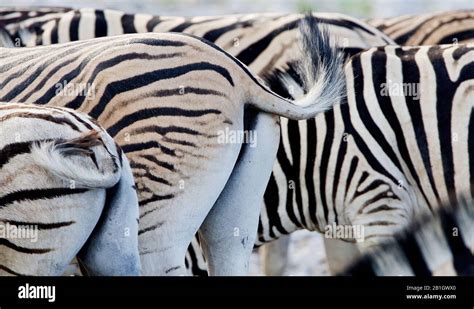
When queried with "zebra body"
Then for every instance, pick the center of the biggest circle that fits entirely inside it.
(60, 174)
(450, 27)
(439, 244)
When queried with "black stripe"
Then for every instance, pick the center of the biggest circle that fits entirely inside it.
(350, 175)
(8, 244)
(54, 33)
(150, 228)
(457, 37)
(336, 184)
(37, 194)
(470, 143)
(127, 21)
(141, 80)
(289, 174)
(160, 163)
(311, 142)
(248, 55)
(12, 150)
(166, 130)
(152, 23)
(154, 198)
(445, 90)
(147, 173)
(148, 113)
(40, 225)
(214, 34)
(271, 205)
(294, 138)
(184, 91)
(10, 271)
(100, 24)
(325, 157)
(74, 27)
(148, 145)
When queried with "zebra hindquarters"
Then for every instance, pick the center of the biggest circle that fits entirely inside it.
(229, 231)
(55, 166)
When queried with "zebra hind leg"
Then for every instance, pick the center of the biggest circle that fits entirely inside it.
(229, 231)
(112, 249)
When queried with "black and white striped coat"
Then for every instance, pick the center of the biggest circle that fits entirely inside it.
(303, 197)
(447, 27)
(266, 42)
(68, 187)
(165, 98)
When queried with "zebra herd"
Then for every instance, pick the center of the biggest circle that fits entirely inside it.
(378, 144)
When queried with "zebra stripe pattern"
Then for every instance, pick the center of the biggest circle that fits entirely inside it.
(265, 42)
(386, 155)
(55, 167)
(140, 97)
(429, 29)
(434, 245)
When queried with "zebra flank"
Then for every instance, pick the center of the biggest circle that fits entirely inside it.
(392, 151)
(56, 166)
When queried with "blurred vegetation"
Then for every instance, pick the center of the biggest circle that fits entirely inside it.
(303, 6)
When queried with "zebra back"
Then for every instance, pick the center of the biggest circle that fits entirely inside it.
(451, 27)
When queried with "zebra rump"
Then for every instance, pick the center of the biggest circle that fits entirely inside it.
(435, 244)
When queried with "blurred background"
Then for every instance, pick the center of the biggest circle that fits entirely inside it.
(356, 8)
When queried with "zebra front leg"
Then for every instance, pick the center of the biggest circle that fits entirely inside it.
(229, 231)
(112, 249)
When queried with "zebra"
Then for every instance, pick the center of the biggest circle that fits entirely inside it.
(450, 27)
(439, 244)
(455, 27)
(264, 42)
(142, 85)
(66, 190)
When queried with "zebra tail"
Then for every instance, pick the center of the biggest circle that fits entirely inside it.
(321, 69)
(85, 161)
